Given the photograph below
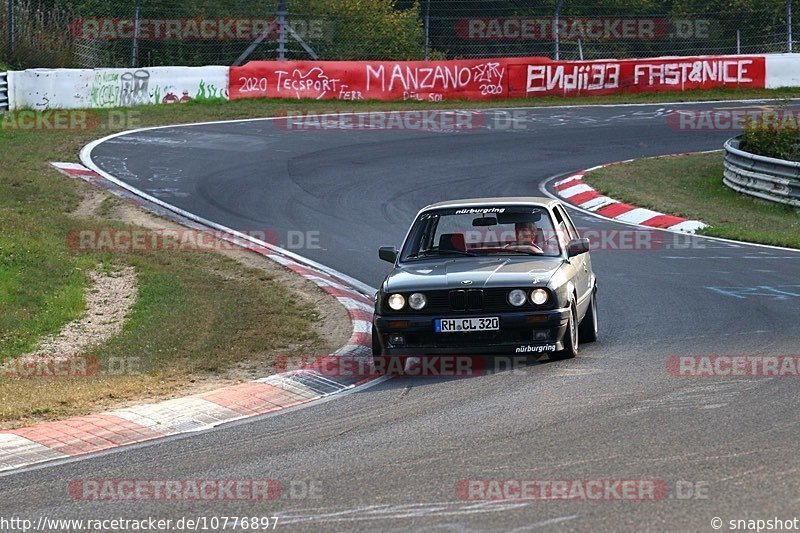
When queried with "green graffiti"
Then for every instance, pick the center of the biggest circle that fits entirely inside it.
(104, 94)
(206, 91)
(201, 92)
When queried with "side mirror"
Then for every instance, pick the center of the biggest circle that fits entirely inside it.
(577, 247)
(388, 253)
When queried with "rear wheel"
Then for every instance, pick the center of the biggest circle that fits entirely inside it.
(588, 328)
(570, 338)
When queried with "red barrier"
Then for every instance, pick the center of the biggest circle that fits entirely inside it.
(572, 78)
(485, 79)
(474, 79)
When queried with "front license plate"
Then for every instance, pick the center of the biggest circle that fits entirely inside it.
(465, 325)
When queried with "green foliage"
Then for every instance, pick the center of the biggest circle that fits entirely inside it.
(341, 30)
(366, 29)
(773, 135)
(391, 29)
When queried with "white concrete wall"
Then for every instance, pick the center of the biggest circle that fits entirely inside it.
(783, 70)
(93, 88)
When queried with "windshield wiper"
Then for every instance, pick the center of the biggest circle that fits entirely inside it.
(523, 252)
(441, 252)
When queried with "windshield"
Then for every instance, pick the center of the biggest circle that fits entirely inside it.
(486, 230)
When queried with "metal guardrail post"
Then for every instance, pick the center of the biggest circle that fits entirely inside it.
(5, 95)
(767, 178)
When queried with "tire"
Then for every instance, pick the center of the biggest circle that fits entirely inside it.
(587, 331)
(376, 344)
(570, 338)
(384, 364)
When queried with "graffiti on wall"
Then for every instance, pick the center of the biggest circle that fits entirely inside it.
(105, 90)
(478, 79)
(139, 87)
(382, 80)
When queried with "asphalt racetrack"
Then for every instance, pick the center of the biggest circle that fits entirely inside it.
(393, 456)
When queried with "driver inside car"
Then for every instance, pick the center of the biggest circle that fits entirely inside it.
(526, 235)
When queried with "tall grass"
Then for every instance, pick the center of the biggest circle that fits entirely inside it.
(41, 36)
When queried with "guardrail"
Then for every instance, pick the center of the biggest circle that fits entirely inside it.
(763, 177)
(4, 93)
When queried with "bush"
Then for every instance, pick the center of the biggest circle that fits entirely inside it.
(368, 29)
(771, 137)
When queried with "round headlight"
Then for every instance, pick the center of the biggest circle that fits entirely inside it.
(397, 301)
(516, 297)
(539, 296)
(417, 301)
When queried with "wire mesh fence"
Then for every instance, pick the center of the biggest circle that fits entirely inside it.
(572, 31)
(94, 33)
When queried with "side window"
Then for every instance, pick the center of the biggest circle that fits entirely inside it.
(573, 232)
(562, 231)
(420, 236)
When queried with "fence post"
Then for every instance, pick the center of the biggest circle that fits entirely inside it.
(556, 36)
(427, 28)
(282, 30)
(10, 25)
(135, 43)
(788, 25)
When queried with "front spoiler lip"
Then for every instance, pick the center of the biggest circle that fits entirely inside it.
(557, 318)
(490, 349)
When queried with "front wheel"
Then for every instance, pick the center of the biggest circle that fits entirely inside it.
(588, 328)
(376, 343)
(570, 338)
(384, 364)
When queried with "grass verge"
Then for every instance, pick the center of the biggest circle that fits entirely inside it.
(691, 186)
(198, 314)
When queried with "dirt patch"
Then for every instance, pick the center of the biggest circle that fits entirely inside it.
(109, 299)
(333, 324)
(90, 203)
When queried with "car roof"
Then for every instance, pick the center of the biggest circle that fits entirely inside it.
(496, 201)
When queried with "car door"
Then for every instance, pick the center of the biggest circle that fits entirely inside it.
(580, 263)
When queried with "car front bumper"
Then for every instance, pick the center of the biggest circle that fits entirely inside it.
(515, 336)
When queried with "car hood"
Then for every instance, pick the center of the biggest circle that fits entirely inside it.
(472, 272)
